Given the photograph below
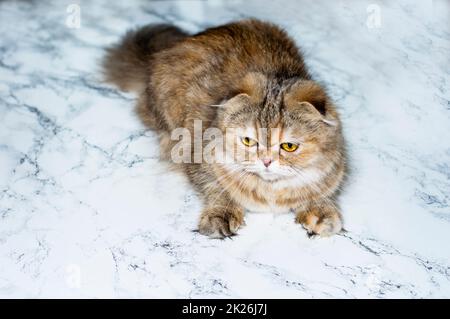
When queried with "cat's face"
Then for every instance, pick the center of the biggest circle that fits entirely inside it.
(281, 131)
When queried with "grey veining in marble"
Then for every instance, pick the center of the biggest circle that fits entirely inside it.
(87, 209)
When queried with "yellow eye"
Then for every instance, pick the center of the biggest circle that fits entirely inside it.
(289, 147)
(247, 141)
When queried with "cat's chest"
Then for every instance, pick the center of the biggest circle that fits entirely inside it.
(266, 198)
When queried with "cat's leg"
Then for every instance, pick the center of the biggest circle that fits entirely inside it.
(321, 218)
(221, 217)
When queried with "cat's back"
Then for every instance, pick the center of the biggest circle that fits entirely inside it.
(239, 47)
(253, 44)
(207, 67)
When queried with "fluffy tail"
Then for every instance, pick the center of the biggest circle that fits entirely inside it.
(126, 64)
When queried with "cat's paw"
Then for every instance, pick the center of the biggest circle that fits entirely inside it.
(220, 222)
(324, 221)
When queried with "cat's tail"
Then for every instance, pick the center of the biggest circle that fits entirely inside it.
(126, 64)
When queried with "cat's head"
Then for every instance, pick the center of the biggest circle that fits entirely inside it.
(281, 129)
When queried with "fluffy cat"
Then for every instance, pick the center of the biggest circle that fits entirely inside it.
(247, 75)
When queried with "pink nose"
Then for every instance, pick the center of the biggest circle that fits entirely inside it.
(267, 162)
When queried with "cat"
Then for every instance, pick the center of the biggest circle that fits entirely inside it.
(248, 75)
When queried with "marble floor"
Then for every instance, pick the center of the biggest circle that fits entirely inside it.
(88, 210)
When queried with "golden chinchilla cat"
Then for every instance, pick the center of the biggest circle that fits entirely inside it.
(250, 77)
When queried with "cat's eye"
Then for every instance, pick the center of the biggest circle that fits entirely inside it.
(247, 141)
(289, 147)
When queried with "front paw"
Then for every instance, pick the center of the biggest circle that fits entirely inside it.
(323, 221)
(220, 222)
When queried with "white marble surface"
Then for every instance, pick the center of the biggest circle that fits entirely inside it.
(87, 210)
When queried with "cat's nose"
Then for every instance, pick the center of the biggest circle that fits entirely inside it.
(267, 161)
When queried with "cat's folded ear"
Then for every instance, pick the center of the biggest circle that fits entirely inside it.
(309, 98)
(234, 102)
(250, 88)
(253, 84)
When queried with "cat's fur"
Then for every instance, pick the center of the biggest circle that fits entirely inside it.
(248, 75)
